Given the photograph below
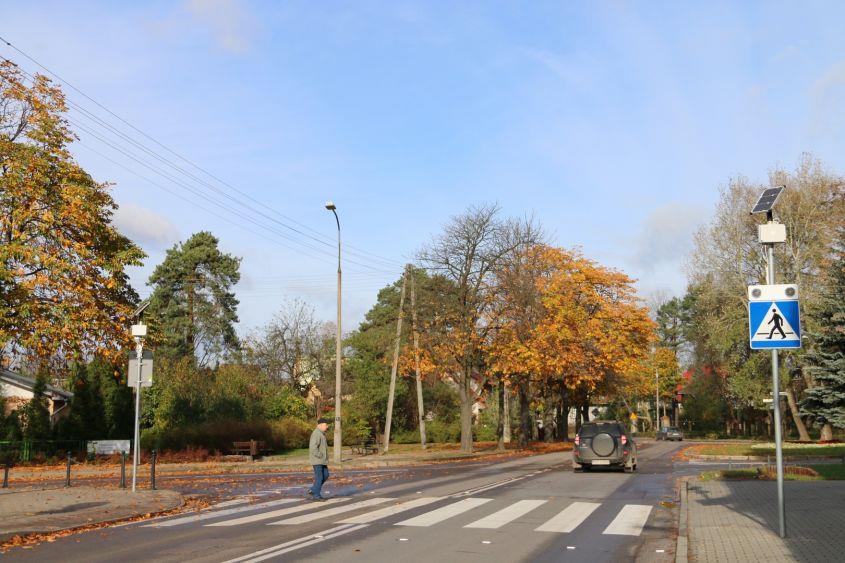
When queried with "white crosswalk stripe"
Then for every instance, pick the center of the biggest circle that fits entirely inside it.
(330, 512)
(569, 518)
(274, 513)
(443, 513)
(506, 515)
(629, 521)
(206, 515)
(389, 511)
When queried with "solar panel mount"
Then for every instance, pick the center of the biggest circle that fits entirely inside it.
(767, 200)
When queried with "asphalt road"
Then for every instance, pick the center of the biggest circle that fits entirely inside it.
(529, 509)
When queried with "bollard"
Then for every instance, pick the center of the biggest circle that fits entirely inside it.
(6, 476)
(67, 476)
(153, 470)
(122, 470)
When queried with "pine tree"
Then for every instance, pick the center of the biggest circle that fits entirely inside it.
(36, 413)
(193, 310)
(825, 361)
(87, 415)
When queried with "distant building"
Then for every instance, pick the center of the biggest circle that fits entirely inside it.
(17, 389)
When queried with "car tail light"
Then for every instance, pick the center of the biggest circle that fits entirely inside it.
(624, 439)
(577, 440)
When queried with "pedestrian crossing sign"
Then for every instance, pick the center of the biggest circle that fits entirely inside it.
(773, 323)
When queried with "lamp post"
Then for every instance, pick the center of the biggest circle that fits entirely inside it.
(139, 332)
(337, 377)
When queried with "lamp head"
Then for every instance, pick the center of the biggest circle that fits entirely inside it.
(330, 206)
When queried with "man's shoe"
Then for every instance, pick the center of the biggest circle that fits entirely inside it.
(309, 493)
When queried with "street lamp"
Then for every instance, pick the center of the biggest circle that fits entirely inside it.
(337, 377)
(139, 332)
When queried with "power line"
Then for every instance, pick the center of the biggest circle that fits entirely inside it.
(101, 122)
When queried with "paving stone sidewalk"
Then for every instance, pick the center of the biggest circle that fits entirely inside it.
(736, 521)
(53, 509)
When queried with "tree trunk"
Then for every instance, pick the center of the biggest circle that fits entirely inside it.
(803, 435)
(500, 425)
(827, 432)
(525, 423)
(506, 434)
(585, 412)
(466, 397)
(549, 426)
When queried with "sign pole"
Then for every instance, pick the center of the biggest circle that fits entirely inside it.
(139, 347)
(770, 248)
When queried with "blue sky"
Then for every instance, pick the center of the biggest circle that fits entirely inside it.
(614, 123)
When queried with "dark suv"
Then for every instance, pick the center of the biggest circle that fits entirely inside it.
(604, 443)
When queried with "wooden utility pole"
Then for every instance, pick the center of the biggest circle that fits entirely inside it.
(415, 330)
(395, 364)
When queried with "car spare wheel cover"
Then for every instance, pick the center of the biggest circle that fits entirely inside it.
(603, 444)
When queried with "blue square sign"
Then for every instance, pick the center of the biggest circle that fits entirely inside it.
(774, 324)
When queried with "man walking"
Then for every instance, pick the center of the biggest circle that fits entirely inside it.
(318, 455)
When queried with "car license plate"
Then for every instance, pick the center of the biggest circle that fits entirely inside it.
(601, 462)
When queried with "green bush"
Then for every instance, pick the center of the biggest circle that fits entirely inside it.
(442, 432)
(218, 435)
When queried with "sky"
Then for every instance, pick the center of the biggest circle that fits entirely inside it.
(613, 123)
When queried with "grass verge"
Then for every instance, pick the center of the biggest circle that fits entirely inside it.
(815, 472)
(790, 449)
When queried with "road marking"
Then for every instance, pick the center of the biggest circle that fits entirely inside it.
(390, 511)
(629, 521)
(506, 515)
(293, 545)
(445, 512)
(330, 512)
(482, 488)
(233, 502)
(219, 513)
(569, 518)
(273, 513)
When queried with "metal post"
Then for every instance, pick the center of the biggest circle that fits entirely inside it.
(6, 476)
(776, 402)
(139, 349)
(338, 436)
(122, 470)
(67, 475)
(656, 401)
(153, 469)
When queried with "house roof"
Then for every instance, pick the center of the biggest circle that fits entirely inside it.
(15, 378)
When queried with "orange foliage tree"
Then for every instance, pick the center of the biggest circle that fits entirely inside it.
(63, 283)
(579, 330)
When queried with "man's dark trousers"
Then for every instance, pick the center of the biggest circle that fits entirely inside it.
(321, 475)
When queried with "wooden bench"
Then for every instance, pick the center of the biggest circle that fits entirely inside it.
(365, 448)
(252, 448)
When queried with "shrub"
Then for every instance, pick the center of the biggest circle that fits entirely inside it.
(287, 433)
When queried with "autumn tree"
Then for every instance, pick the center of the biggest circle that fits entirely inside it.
(587, 332)
(468, 253)
(193, 309)
(728, 257)
(292, 349)
(64, 290)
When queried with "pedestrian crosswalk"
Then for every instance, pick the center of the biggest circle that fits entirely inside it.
(560, 516)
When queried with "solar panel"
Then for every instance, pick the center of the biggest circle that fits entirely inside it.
(767, 200)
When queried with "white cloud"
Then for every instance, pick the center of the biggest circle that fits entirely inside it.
(827, 95)
(666, 237)
(229, 21)
(144, 226)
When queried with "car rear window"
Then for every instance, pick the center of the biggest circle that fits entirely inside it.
(591, 429)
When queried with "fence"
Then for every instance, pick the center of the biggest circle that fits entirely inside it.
(12, 452)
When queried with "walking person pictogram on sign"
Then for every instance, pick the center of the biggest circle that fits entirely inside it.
(778, 320)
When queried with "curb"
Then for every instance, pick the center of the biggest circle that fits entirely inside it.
(682, 544)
